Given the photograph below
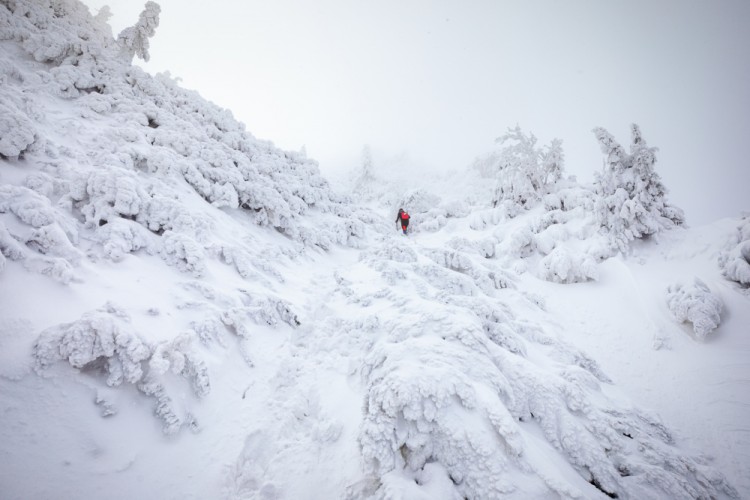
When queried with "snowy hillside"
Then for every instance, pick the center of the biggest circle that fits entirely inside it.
(189, 312)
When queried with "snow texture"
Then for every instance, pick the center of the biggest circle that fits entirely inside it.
(310, 351)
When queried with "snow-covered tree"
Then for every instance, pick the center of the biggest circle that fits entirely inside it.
(632, 200)
(104, 14)
(468, 385)
(134, 39)
(524, 171)
(363, 184)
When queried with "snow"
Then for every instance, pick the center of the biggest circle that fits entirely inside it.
(188, 312)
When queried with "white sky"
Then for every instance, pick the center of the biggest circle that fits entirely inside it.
(440, 80)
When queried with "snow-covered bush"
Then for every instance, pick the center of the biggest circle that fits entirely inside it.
(100, 340)
(418, 201)
(573, 196)
(552, 236)
(425, 384)
(486, 247)
(183, 252)
(697, 304)
(520, 243)
(734, 259)
(38, 235)
(103, 342)
(148, 141)
(524, 172)
(408, 422)
(54, 31)
(120, 237)
(561, 266)
(456, 208)
(480, 219)
(632, 200)
(17, 132)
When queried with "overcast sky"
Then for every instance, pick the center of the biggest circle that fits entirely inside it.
(438, 81)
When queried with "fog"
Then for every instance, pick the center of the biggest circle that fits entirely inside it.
(435, 82)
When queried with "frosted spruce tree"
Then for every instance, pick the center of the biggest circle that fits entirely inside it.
(134, 40)
(523, 170)
(365, 178)
(632, 201)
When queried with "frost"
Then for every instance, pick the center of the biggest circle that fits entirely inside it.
(697, 304)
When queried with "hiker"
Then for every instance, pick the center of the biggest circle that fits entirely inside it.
(403, 219)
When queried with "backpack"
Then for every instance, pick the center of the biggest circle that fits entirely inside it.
(404, 216)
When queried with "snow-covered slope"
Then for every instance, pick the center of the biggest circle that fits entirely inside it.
(189, 312)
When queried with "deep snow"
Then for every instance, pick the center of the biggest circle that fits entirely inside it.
(188, 312)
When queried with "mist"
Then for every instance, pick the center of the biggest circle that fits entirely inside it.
(432, 84)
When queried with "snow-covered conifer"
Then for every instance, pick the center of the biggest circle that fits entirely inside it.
(134, 39)
(524, 171)
(632, 201)
(366, 175)
(104, 14)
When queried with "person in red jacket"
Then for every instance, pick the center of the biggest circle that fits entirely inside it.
(403, 219)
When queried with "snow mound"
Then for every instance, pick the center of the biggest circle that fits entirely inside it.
(697, 304)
